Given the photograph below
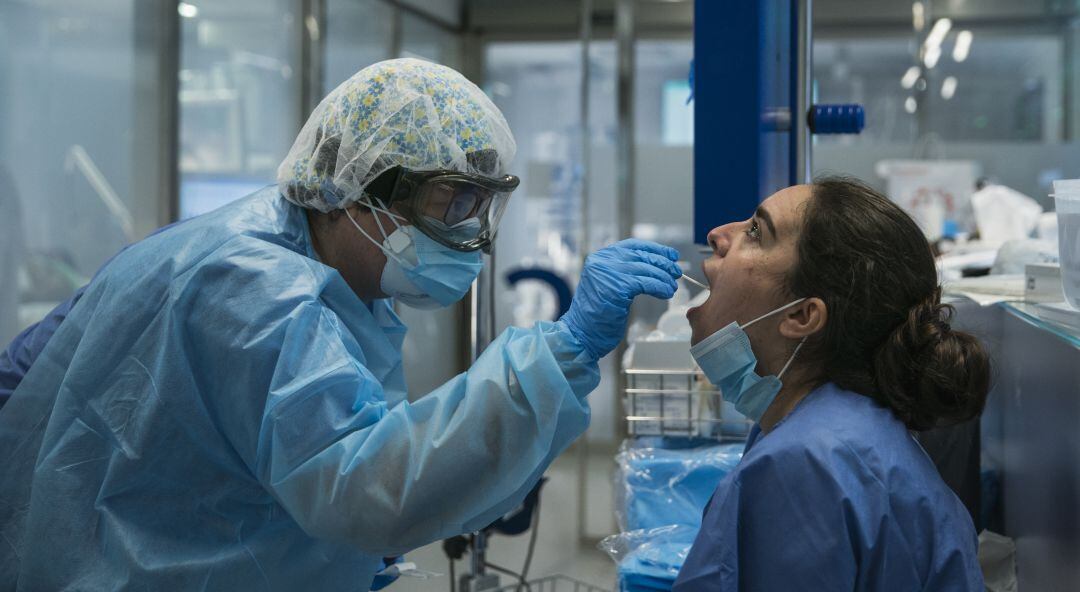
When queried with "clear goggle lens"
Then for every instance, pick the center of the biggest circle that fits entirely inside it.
(461, 213)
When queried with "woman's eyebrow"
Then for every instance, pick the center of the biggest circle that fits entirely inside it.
(766, 217)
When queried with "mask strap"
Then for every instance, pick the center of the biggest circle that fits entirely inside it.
(378, 223)
(393, 217)
(791, 359)
(388, 252)
(366, 201)
(769, 314)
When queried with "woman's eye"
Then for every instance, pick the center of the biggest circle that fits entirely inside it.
(753, 231)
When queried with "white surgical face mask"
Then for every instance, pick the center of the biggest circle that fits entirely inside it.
(420, 272)
(728, 361)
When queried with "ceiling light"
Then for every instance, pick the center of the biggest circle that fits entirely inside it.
(963, 46)
(931, 56)
(187, 10)
(948, 88)
(910, 77)
(918, 16)
(938, 32)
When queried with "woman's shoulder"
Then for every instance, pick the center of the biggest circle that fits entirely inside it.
(830, 417)
(849, 439)
(830, 414)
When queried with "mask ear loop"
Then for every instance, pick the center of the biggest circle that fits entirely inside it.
(797, 347)
(365, 200)
(388, 252)
(769, 314)
(792, 358)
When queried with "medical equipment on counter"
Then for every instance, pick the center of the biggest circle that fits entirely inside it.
(1042, 283)
(1067, 202)
(987, 290)
(1003, 214)
(666, 393)
(935, 193)
(1015, 255)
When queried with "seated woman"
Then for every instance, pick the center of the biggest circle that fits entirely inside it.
(832, 288)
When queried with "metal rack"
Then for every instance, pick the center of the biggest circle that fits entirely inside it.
(555, 583)
(679, 403)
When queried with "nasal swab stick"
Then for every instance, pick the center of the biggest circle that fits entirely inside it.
(695, 282)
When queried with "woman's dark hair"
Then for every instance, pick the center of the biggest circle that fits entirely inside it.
(887, 334)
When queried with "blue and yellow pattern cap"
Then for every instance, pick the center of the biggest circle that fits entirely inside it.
(404, 112)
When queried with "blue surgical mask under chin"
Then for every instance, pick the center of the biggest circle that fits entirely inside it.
(728, 362)
(419, 271)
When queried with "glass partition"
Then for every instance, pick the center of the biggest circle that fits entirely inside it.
(239, 98)
(421, 38)
(994, 90)
(358, 34)
(71, 191)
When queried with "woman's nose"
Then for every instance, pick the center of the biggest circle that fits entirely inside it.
(720, 239)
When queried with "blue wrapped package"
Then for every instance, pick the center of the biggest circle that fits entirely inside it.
(649, 560)
(662, 486)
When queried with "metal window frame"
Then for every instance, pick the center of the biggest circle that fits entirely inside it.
(158, 108)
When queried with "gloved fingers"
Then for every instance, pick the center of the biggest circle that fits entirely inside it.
(661, 262)
(646, 270)
(656, 288)
(637, 244)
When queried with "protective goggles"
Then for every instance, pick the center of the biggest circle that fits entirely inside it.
(458, 210)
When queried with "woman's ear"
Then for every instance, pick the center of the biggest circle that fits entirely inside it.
(804, 319)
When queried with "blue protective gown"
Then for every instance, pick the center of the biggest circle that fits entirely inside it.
(212, 415)
(838, 496)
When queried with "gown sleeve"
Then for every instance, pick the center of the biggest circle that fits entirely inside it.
(451, 462)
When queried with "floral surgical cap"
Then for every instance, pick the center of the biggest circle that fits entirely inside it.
(403, 112)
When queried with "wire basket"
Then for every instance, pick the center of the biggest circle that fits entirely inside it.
(679, 403)
(555, 583)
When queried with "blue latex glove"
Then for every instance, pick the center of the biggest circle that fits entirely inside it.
(612, 277)
(382, 581)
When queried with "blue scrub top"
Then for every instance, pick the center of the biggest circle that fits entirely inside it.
(16, 359)
(838, 496)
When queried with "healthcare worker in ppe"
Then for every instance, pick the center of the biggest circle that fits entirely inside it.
(824, 325)
(224, 407)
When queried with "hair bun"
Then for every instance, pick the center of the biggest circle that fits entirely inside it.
(928, 373)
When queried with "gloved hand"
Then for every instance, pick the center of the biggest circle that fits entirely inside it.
(612, 277)
(382, 581)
